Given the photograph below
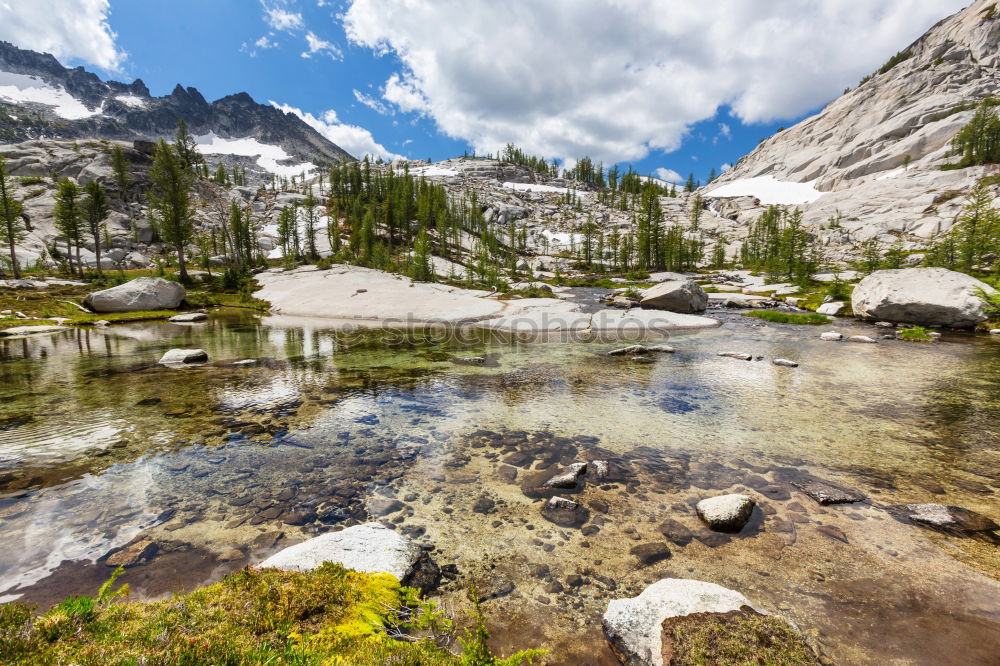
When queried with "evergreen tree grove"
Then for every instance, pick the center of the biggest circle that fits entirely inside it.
(10, 218)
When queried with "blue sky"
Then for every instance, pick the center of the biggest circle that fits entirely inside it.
(684, 86)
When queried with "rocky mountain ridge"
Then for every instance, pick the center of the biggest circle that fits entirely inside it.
(39, 98)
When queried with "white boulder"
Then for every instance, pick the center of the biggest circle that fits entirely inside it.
(181, 356)
(726, 513)
(634, 626)
(925, 296)
(188, 317)
(831, 308)
(832, 336)
(369, 548)
(145, 293)
(684, 296)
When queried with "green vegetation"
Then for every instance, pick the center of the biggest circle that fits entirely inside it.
(778, 244)
(973, 243)
(11, 225)
(327, 616)
(778, 317)
(915, 334)
(979, 141)
(899, 57)
(736, 639)
(32, 180)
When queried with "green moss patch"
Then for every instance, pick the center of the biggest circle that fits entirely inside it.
(778, 317)
(327, 616)
(738, 638)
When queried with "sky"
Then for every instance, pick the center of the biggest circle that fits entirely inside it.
(673, 88)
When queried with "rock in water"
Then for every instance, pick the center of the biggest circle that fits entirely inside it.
(188, 317)
(785, 362)
(831, 308)
(369, 548)
(568, 478)
(825, 492)
(181, 356)
(565, 512)
(685, 296)
(633, 626)
(737, 355)
(832, 336)
(950, 519)
(862, 338)
(145, 293)
(726, 513)
(925, 296)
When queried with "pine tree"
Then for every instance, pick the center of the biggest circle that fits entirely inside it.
(10, 218)
(187, 148)
(978, 229)
(220, 175)
(67, 215)
(689, 185)
(170, 202)
(696, 206)
(95, 211)
(979, 141)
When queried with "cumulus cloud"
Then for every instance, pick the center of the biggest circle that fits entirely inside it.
(320, 46)
(617, 79)
(356, 140)
(668, 175)
(282, 19)
(370, 102)
(65, 28)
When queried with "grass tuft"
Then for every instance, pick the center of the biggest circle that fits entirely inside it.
(778, 317)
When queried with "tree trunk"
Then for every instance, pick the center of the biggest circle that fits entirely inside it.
(180, 262)
(69, 256)
(97, 251)
(13, 260)
(79, 263)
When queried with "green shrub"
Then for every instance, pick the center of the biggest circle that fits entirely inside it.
(779, 317)
(915, 334)
(32, 180)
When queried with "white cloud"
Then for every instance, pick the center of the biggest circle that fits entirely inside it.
(282, 19)
(321, 46)
(65, 28)
(725, 131)
(617, 79)
(370, 102)
(356, 140)
(668, 175)
(725, 167)
(265, 43)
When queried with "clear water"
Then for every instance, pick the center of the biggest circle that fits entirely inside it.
(222, 464)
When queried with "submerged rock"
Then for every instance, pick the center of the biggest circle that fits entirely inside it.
(832, 336)
(633, 350)
(633, 626)
(726, 513)
(568, 478)
(737, 355)
(925, 296)
(565, 512)
(182, 356)
(650, 553)
(145, 293)
(861, 338)
(368, 548)
(825, 492)
(949, 519)
(785, 362)
(135, 553)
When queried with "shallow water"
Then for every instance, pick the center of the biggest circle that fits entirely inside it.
(222, 464)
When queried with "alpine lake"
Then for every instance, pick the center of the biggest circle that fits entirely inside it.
(297, 427)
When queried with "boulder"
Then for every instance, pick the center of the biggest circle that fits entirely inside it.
(568, 478)
(925, 296)
(726, 513)
(949, 519)
(633, 626)
(831, 308)
(785, 363)
(30, 330)
(182, 356)
(565, 512)
(684, 296)
(862, 338)
(145, 293)
(825, 492)
(188, 317)
(369, 548)
(832, 336)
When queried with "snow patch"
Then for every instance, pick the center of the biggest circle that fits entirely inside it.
(21, 88)
(531, 187)
(433, 170)
(268, 156)
(134, 101)
(769, 190)
(890, 174)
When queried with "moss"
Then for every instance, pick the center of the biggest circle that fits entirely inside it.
(327, 616)
(739, 638)
(779, 317)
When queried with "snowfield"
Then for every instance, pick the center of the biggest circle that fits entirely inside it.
(21, 88)
(134, 101)
(268, 156)
(531, 187)
(769, 190)
(432, 170)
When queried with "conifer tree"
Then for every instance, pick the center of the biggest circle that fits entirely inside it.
(311, 218)
(186, 147)
(95, 211)
(689, 185)
(10, 218)
(170, 201)
(67, 215)
(978, 229)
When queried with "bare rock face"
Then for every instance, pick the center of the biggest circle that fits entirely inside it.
(926, 296)
(685, 296)
(145, 293)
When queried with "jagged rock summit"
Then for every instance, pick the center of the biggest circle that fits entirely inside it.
(39, 97)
